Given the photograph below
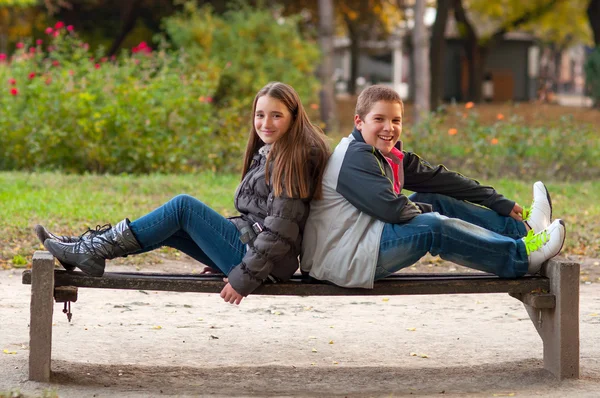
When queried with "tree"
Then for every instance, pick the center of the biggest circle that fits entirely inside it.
(362, 20)
(326, 27)
(420, 38)
(508, 16)
(593, 12)
(437, 52)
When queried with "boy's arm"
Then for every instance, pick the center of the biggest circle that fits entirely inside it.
(420, 176)
(362, 181)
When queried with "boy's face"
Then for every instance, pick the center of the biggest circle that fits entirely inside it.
(382, 126)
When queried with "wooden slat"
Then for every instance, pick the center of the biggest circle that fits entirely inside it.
(398, 284)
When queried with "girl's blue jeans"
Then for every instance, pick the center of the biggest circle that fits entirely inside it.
(457, 231)
(192, 227)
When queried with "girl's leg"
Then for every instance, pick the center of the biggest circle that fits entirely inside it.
(473, 214)
(184, 243)
(216, 237)
(453, 240)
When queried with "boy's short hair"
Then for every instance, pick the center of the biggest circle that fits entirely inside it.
(369, 96)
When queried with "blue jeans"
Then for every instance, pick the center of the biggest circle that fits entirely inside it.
(192, 227)
(457, 231)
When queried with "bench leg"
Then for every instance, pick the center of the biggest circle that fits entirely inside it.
(559, 326)
(40, 323)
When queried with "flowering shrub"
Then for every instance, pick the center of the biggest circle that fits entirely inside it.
(508, 147)
(253, 47)
(65, 107)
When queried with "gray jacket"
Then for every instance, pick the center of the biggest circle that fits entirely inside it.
(275, 250)
(343, 231)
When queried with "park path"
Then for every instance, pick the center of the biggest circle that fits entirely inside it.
(139, 344)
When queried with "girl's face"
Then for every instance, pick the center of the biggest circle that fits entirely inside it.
(272, 119)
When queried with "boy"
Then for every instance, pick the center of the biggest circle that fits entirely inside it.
(364, 228)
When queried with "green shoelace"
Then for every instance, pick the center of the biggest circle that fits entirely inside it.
(527, 212)
(535, 241)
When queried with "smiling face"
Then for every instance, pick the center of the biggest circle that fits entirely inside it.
(272, 119)
(382, 126)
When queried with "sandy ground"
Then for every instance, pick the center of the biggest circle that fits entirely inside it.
(140, 344)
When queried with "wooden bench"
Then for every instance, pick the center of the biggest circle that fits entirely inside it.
(551, 299)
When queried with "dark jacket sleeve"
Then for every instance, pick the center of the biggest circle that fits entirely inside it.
(363, 182)
(279, 236)
(420, 176)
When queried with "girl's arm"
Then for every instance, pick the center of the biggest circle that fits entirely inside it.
(281, 231)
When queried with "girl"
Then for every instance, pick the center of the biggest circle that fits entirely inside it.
(283, 166)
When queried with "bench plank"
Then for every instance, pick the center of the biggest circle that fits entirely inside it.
(398, 284)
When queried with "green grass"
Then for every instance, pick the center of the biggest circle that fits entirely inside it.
(68, 204)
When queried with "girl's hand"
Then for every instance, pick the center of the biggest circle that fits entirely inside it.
(517, 212)
(229, 295)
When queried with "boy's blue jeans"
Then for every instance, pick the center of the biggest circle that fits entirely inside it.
(192, 227)
(457, 231)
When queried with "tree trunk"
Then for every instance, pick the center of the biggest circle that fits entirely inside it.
(129, 16)
(326, 26)
(354, 36)
(593, 12)
(437, 53)
(421, 58)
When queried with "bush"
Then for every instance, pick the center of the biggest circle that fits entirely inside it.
(253, 47)
(508, 148)
(64, 108)
(592, 73)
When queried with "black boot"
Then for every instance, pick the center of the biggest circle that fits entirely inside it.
(43, 234)
(89, 254)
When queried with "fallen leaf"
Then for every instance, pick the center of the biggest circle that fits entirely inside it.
(156, 327)
(594, 314)
(312, 364)
(330, 341)
(9, 352)
(385, 299)
(335, 362)
(314, 350)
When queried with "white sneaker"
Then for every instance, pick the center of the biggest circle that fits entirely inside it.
(539, 215)
(544, 245)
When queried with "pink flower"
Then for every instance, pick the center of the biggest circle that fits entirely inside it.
(97, 66)
(14, 91)
(56, 33)
(55, 63)
(31, 75)
(48, 81)
(103, 59)
(2, 57)
(39, 42)
(51, 48)
(32, 50)
(12, 81)
(71, 73)
(85, 46)
(70, 28)
(113, 57)
(59, 25)
(20, 45)
(49, 30)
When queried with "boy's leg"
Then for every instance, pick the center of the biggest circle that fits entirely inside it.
(453, 240)
(473, 214)
(215, 236)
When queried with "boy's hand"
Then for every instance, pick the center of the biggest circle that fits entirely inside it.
(517, 212)
(229, 295)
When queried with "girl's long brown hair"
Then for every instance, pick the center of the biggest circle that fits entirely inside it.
(299, 156)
